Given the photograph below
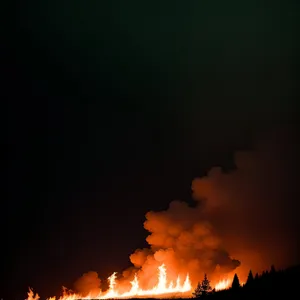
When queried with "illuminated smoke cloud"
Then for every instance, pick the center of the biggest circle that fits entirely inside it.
(247, 215)
(184, 239)
(88, 283)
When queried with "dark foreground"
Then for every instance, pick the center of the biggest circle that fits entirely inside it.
(269, 284)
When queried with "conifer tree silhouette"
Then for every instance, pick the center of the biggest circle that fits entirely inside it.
(250, 279)
(235, 283)
(273, 270)
(198, 291)
(203, 289)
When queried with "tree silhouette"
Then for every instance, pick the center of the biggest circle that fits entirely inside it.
(273, 270)
(267, 284)
(250, 279)
(203, 288)
(235, 283)
(206, 285)
(198, 291)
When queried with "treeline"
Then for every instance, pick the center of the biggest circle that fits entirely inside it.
(270, 283)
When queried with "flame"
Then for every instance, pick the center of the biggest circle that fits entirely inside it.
(31, 295)
(222, 285)
(162, 288)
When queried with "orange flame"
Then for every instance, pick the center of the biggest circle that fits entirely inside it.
(222, 285)
(162, 288)
(31, 295)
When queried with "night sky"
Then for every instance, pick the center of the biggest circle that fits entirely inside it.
(114, 107)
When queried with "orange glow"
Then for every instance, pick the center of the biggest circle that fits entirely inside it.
(163, 287)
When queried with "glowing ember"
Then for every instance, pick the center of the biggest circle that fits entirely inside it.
(160, 289)
(223, 285)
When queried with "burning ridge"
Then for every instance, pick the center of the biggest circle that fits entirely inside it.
(238, 216)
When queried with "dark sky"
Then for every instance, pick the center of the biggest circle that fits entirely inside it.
(115, 106)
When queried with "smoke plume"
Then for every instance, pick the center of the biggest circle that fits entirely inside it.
(243, 219)
(89, 283)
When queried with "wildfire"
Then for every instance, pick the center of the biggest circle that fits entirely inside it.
(222, 285)
(162, 288)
